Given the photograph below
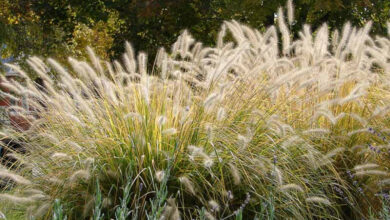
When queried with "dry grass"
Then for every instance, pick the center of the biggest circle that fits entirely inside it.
(242, 118)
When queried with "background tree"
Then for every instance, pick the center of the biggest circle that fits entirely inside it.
(60, 28)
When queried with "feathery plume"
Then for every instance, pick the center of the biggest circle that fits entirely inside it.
(75, 146)
(320, 200)
(365, 166)
(285, 32)
(290, 12)
(327, 114)
(208, 215)
(145, 90)
(16, 199)
(18, 70)
(160, 57)
(358, 131)
(194, 150)
(362, 121)
(9, 96)
(221, 35)
(291, 187)
(316, 130)
(371, 172)
(210, 100)
(60, 156)
(169, 131)
(171, 211)
(39, 196)
(235, 174)
(345, 35)
(334, 152)
(335, 40)
(278, 175)
(385, 182)
(11, 87)
(221, 115)
(189, 186)
(14, 177)
(160, 175)
(142, 61)
(33, 191)
(42, 210)
(130, 63)
(207, 161)
(51, 138)
(176, 214)
(380, 111)
(89, 162)
(388, 28)
(242, 141)
(161, 120)
(79, 175)
(95, 60)
(214, 206)
(134, 115)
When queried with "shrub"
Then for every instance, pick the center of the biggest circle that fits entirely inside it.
(240, 130)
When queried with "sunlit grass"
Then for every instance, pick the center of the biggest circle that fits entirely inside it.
(235, 130)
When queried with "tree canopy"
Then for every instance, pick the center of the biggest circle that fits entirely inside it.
(59, 28)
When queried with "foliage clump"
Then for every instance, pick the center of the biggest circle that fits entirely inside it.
(245, 129)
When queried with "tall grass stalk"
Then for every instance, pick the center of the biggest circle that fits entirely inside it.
(209, 124)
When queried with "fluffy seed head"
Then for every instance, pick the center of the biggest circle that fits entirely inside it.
(187, 184)
(210, 100)
(290, 187)
(235, 174)
(171, 211)
(16, 199)
(208, 215)
(290, 12)
(208, 162)
(79, 175)
(365, 166)
(60, 156)
(221, 114)
(385, 182)
(16, 178)
(169, 131)
(160, 175)
(317, 199)
(371, 172)
(214, 206)
(161, 120)
(42, 210)
(334, 152)
(278, 175)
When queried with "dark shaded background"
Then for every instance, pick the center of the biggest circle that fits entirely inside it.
(59, 28)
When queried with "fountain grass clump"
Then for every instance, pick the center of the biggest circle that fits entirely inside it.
(241, 129)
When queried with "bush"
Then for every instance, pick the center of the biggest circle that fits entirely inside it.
(241, 130)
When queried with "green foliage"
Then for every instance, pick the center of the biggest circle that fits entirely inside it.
(97, 211)
(52, 28)
(267, 209)
(122, 212)
(62, 28)
(239, 215)
(158, 203)
(385, 212)
(58, 212)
